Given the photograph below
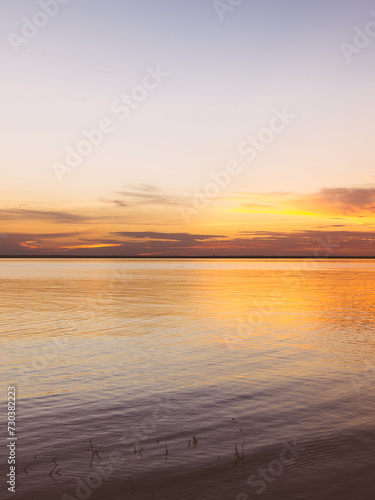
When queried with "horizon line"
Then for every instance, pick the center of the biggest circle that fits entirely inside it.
(185, 257)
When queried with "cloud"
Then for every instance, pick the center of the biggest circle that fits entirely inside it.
(245, 243)
(306, 242)
(332, 225)
(331, 202)
(144, 194)
(185, 238)
(118, 203)
(345, 201)
(24, 243)
(116, 243)
(108, 239)
(50, 215)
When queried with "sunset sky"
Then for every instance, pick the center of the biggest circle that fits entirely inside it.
(227, 127)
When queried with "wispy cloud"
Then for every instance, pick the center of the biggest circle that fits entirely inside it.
(305, 242)
(185, 238)
(349, 202)
(144, 194)
(50, 215)
(345, 201)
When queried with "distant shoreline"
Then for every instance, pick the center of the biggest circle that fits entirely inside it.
(167, 257)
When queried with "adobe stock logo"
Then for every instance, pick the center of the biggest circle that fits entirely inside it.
(362, 39)
(121, 108)
(222, 7)
(274, 469)
(248, 149)
(31, 27)
(366, 379)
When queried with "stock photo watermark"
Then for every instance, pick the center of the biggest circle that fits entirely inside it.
(268, 474)
(32, 26)
(362, 39)
(262, 310)
(58, 344)
(56, 347)
(11, 439)
(122, 107)
(103, 470)
(44, 357)
(224, 7)
(249, 148)
(147, 428)
(84, 488)
(366, 379)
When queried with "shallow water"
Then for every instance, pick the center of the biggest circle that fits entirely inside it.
(140, 356)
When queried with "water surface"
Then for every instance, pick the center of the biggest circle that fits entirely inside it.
(141, 356)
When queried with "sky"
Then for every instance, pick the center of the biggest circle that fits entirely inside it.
(187, 127)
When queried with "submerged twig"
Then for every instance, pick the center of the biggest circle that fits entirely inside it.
(237, 454)
(94, 452)
(54, 472)
(132, 485)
